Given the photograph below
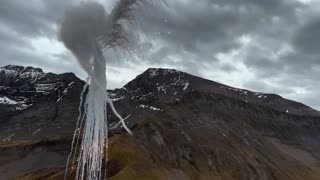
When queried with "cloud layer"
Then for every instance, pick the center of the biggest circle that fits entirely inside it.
(269, 46)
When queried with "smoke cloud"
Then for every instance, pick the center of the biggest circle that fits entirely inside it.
(86, 30)
(79, 29)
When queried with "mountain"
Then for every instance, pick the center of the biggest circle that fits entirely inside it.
(185, 127)
(31, 100)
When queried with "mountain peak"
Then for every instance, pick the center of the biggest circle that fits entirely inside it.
(160, 71)
(171, 84)
(159, 81)
(24, 85)
(11, 73)
(21, 68)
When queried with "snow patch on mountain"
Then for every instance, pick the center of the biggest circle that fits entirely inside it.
(18, 105)
(115, 97)
(6, 100)
(240, 91)
(23, 106)
(149, 107)
(20, 72)
(153, 72)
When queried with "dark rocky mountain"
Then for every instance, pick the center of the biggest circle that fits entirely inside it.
(185, 127)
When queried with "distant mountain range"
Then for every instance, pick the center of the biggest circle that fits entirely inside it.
(185, 127)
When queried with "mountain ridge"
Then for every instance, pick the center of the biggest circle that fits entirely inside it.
(189, 125)
(260, 95)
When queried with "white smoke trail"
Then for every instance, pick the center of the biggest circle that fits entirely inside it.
(86, 30)
(95, 132)
(76, 133)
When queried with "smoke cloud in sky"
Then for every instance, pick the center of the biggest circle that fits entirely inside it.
(80, 26)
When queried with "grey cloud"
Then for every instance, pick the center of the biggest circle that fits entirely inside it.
(307, 38)
(209, 26)
(23, 21)
(192, 33)
(32, 18)
(262, 86)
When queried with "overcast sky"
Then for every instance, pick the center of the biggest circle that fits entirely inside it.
(262, 45)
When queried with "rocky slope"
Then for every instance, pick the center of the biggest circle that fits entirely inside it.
(185, 127)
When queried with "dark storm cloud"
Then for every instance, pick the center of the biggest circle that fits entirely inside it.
(282, 53)
(203, 28)
(24, 21)
(31, 18)
(301, 66)
(307, 37)
(211, 26)
(9, 38)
